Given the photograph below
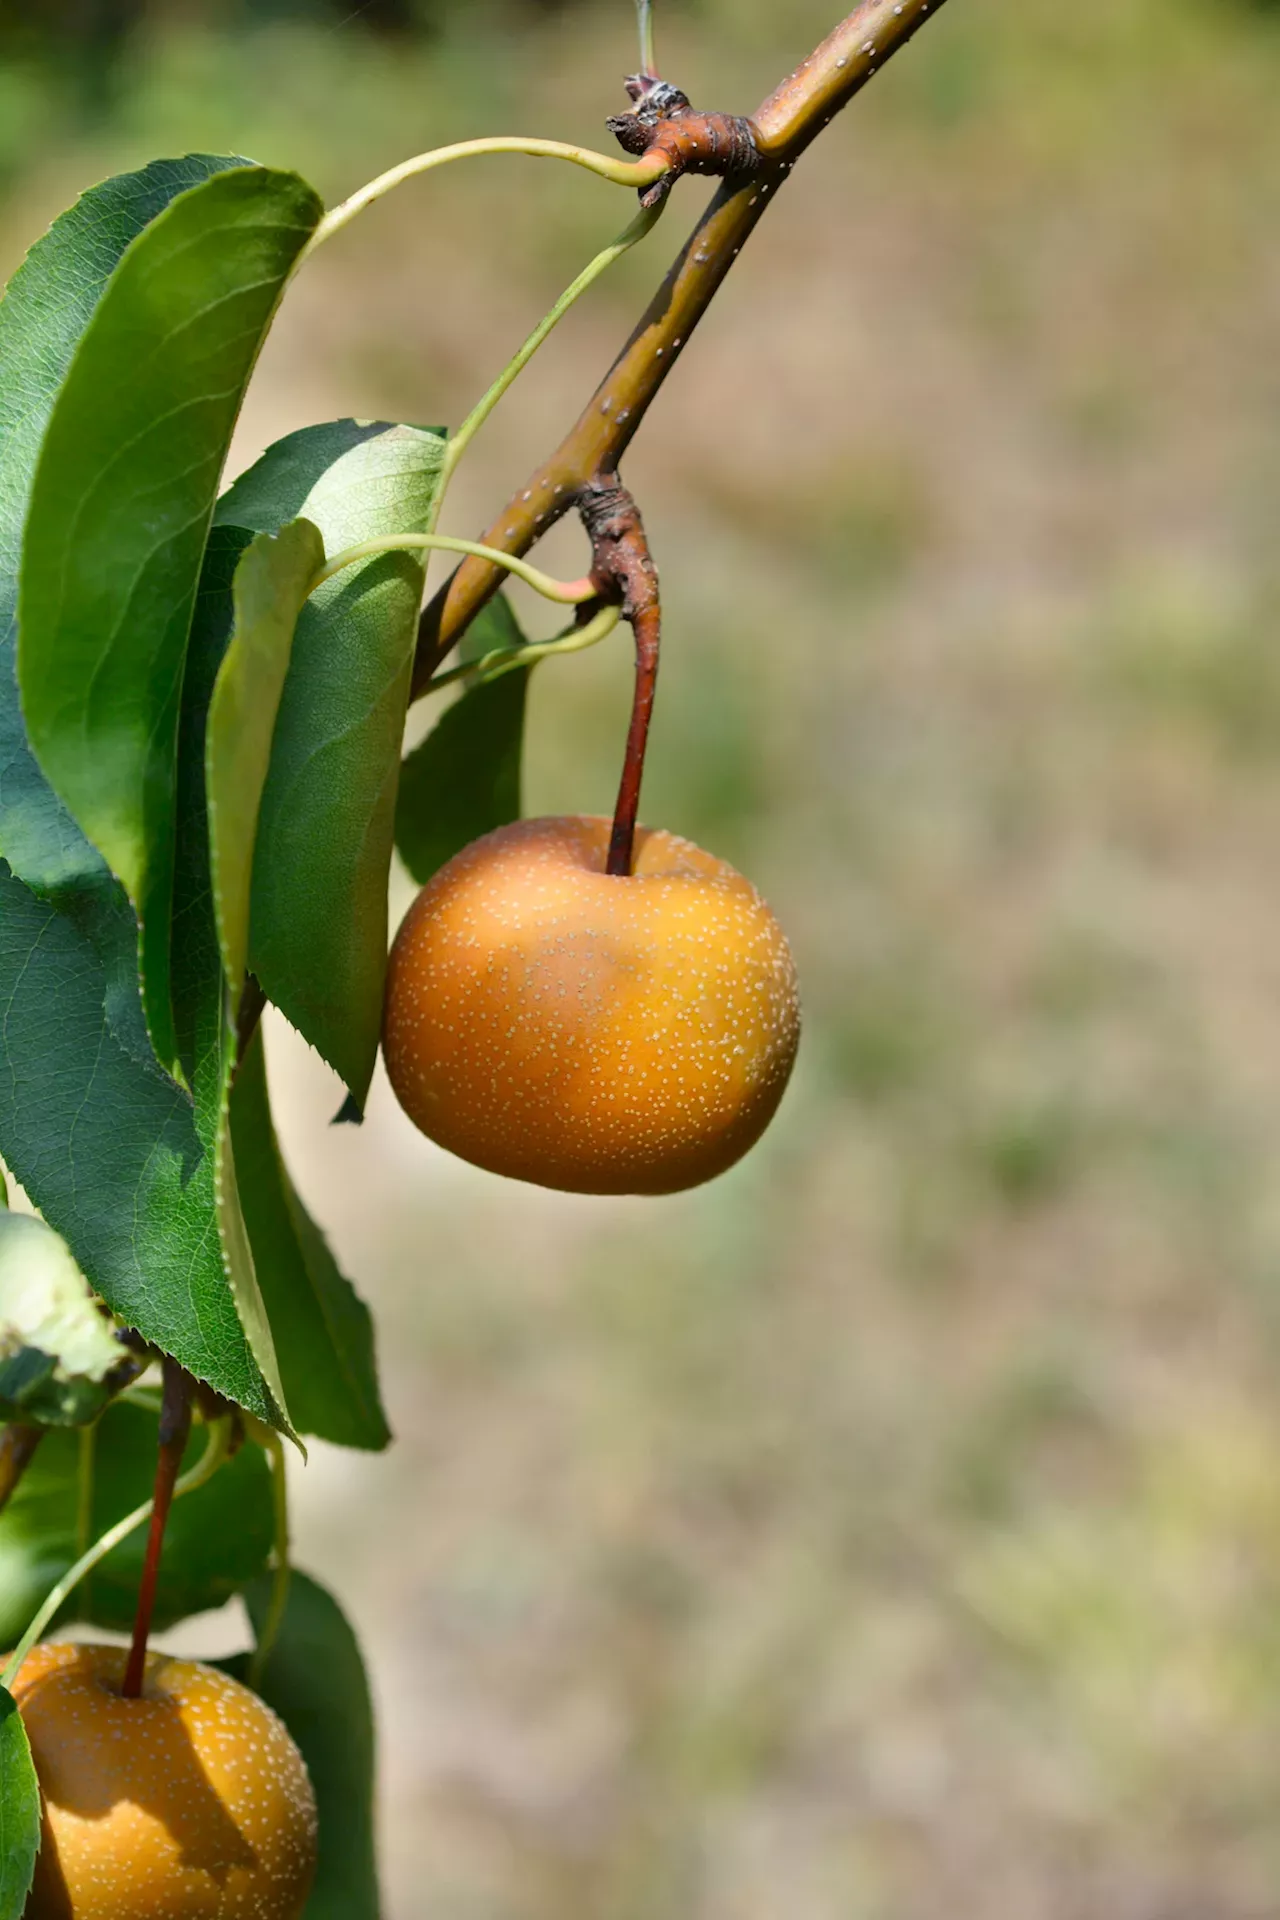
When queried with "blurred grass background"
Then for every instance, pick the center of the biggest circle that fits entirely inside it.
(893, 1528)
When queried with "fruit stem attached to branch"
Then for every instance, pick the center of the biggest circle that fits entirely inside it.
(214, 1454)
(782, 127)
(175, 1431)
(623, 571)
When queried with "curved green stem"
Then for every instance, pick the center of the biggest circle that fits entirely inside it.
(622, 173)
(569, 593)
(215, 1453)
(636, 230)
(491, 666)
(283, 1568)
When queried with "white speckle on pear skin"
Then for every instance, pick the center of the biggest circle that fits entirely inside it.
(602, 1034)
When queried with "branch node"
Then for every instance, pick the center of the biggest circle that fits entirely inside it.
(622, 567)
(664, 122)
(623, 571)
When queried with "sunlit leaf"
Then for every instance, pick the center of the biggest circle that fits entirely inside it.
(203, 1009)
(46, 307)
(318, 933)
(270, 588)
(60, 1361)
(119, 511)
(323, 1331)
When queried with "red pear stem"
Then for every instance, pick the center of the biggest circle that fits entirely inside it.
(623, 570)
(175, 1429)
(647, 627)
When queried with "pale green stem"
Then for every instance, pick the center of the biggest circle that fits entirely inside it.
(627, 239)
(84, 1488)
(623, 173)
(283, 1569)
(491, 666)
(644, 9)
(569, 593)
(215, 1453)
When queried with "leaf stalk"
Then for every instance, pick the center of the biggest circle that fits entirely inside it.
(569, 593)
(621, 173)
(492, 666)
(283, 1569)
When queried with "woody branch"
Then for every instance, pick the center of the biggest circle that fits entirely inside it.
(755, 157)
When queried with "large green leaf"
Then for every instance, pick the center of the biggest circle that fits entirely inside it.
(204, 1018)
(45, 309)
(217, 1540)
(323, 1330)
(314, 1678)
(270, 589)
(464, 779)
(19, 1811)
(119, 511)
(318, 931)
(110, 1153)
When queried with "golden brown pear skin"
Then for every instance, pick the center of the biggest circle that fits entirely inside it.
(586, 1031)
(190, 1802)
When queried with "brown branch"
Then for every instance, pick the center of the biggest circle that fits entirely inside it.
(664, 122)
(782, 128)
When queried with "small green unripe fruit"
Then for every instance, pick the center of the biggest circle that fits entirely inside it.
(593, 1032)
(191, 1802)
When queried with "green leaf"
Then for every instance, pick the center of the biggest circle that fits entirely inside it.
(45, 310)
(109, 1152)
(275, 488)
(60, 1361)
(19, 1811)
(271, 585)
(217, 1540)
(314, 1677)
(318, 930)
(204, 1019)
(464, 779)
(120, 508)
(323, 1330)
